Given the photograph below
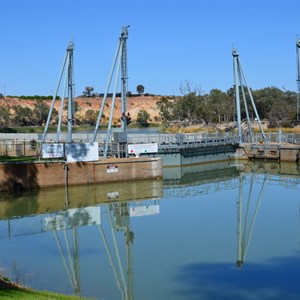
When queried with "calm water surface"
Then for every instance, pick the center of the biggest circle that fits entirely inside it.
(217, 231)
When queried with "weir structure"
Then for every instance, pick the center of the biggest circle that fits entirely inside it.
(68, 161)
(174, 149)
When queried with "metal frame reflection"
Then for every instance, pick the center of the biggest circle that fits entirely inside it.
(245, 233)
(64, 225)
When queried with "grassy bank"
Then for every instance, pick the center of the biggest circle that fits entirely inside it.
(17, 158)
(10, 290)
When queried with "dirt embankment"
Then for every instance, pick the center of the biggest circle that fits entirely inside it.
(134, 105)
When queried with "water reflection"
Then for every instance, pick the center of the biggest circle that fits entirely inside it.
(245, 229)
(64, 223)
(226, 230)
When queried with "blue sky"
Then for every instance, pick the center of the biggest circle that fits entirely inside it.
(170, 42)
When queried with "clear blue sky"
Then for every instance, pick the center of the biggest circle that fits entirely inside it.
(170, 42)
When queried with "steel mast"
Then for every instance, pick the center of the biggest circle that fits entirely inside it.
(123, 42)
(68, 60)
(237, 94)
(298, 79)
(70, 92)
(120, 60)
(240, 81)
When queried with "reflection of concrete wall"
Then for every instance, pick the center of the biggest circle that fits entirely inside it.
(283, 168)
(200, 174)
(54, 199)
(21, 176)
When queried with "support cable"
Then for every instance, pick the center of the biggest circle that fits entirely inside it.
(111, 262)
(106, 91)
(54, 97)
(253, 103)
(112, 107)
(58, 133)
(245, 104)
(118, 256)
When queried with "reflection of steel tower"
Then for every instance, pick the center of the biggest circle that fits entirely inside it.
(239, 82)
(69, 80)
(120, 221)
(66, 222)
(121, 61)
(298, 80)
(70, 260)
(245, 234)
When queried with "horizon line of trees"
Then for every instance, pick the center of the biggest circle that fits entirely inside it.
(277, 106)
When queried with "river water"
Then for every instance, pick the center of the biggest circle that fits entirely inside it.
(217, 231)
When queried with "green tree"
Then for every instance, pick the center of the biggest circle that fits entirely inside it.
(22, 116)
(190, 108)
(220, 107)
(4, 116)
(40, 113)
(165, 107)
(265, 99)
(142, 118)
(140, 89)
(91, 117)
(88, 92)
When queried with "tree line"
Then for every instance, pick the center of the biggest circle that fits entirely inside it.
(194, 107)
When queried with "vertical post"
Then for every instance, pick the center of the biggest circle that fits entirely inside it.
(237, 94)
(239, 260)
(123, 41)
(298, 80)
(70, 91)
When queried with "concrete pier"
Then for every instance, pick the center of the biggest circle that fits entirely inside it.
(270, 151)
(37, 175)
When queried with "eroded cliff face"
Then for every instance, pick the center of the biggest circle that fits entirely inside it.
(134, 105)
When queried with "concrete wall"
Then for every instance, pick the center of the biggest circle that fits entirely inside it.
(289, 154)
(30, 176)
(280, 152)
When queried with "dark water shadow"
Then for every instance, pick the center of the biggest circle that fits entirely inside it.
(20, 176)
(278, 278)
(20, 180)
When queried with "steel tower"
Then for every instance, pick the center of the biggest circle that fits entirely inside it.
(239, 83)
(298, 79)
(69, 80)
(119, 64)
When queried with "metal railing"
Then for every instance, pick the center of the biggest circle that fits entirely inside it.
(18, 148)
(19, 145)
